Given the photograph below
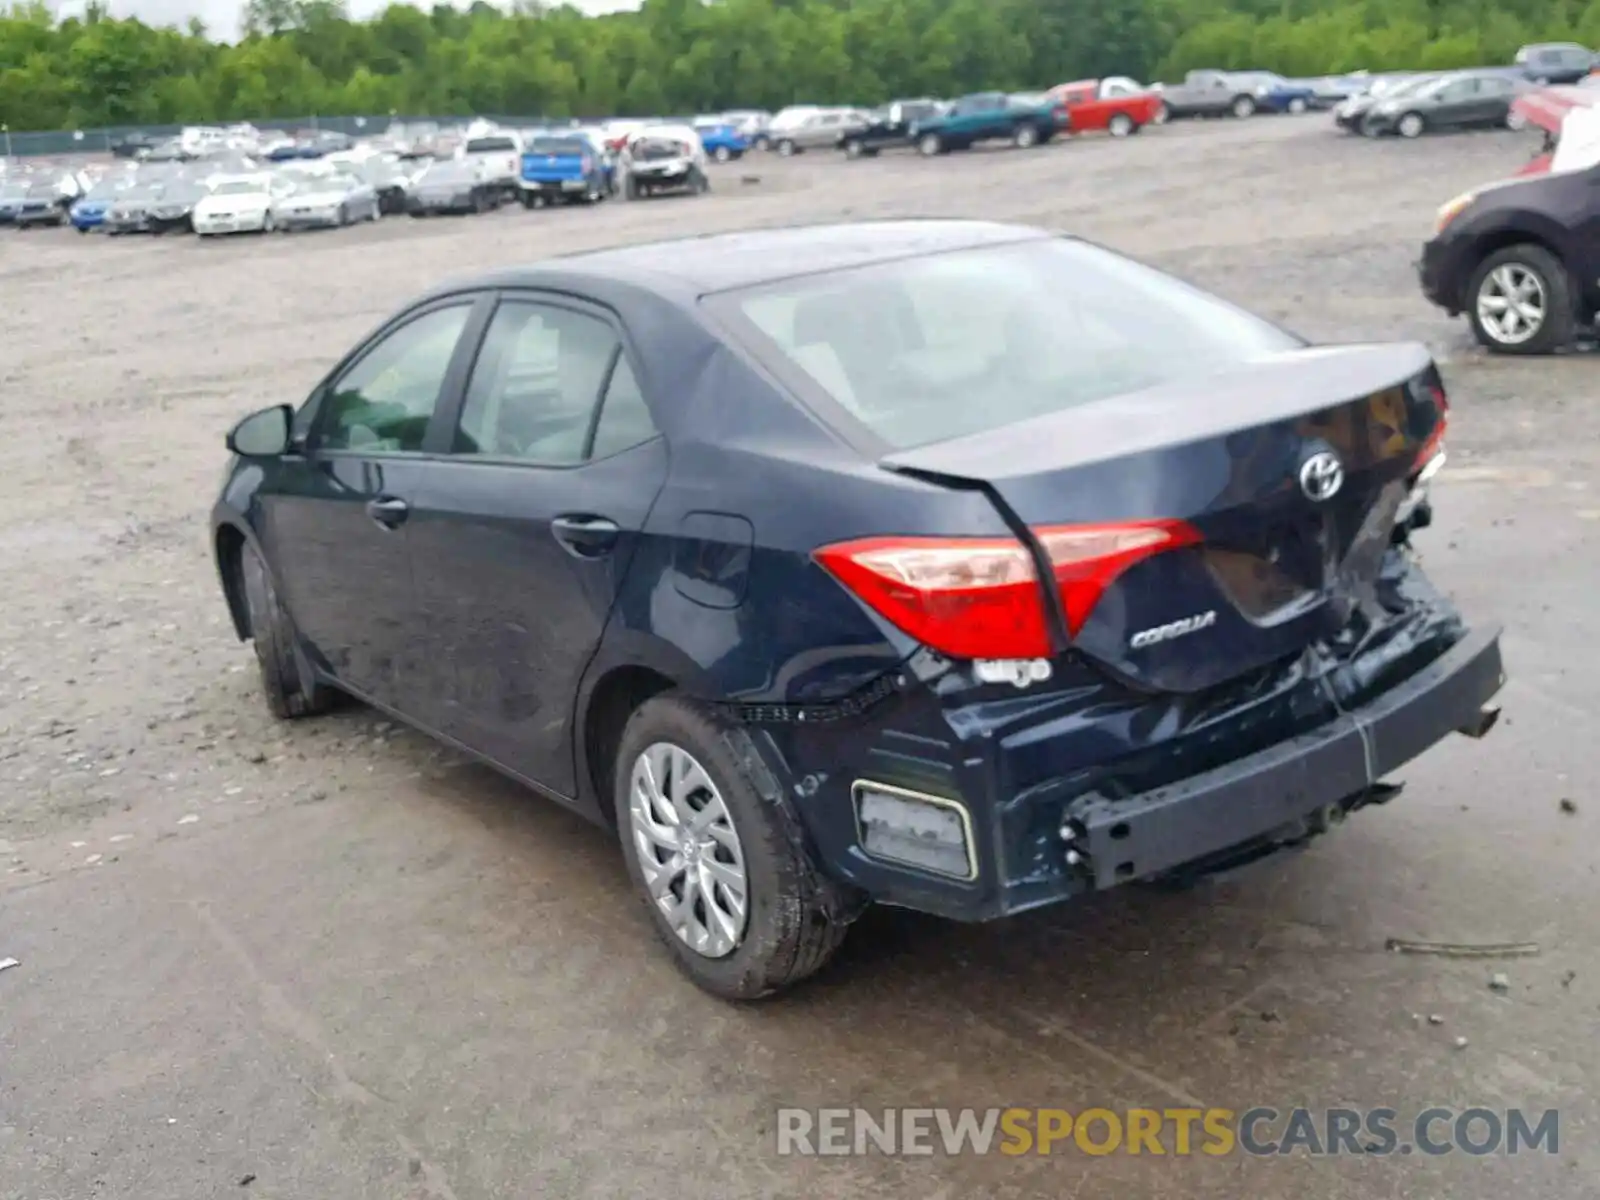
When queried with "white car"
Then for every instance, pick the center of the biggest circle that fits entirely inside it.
(663, 158)
(240, 204)
(498, 152)
(324, 199)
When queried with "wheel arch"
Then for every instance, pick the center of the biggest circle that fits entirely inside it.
(228, 543)
(1495, 240)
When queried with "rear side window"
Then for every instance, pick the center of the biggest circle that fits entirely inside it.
(924, 349)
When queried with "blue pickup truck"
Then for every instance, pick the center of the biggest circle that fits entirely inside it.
(566, 168)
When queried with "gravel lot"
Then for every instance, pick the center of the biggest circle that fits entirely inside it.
(333, 958)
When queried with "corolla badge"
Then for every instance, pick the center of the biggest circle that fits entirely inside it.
(1173, 629)
(1321, 476)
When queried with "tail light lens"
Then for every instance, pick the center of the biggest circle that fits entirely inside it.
(980, 597)
(587, 164)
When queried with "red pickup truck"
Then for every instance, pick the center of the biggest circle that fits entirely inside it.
(1118, 106)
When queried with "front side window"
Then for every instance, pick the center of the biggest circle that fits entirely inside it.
(382, 404)
(924, 349)
(536, 384)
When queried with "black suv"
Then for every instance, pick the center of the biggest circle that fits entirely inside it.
(889, 126)
(1556, 62)
(1521, 259)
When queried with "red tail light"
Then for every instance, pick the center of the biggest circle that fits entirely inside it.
(980, 597)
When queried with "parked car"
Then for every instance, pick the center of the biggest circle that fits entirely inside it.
(1555, 62)
(1521, 258)
(13, 192)
(41, 204)
(453, 186)
(566, 168)
(129, 210)
(89, 210)
(785, 119)
(135, 145)
(323, 199)
(886, 127)
(664, 158)
(1349, 113)
(172, 211)
(1273, 93)
(1452, 101)
(723, 141)
(741, 564)
(821, 129)
(1024, 120)
(1095, 105)
(500, 157)
(240, 204)
(750, 124)
(1208, 94)
(1328, 91)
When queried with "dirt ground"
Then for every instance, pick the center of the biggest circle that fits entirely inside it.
(331, 959)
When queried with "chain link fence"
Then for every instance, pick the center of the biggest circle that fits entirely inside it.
(100, 141)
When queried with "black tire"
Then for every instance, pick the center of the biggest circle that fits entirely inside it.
(854, 148)
(1243, 106)
(1411, 125)
(1560, 309)
(286, 679)
(787, 148)
(631, 188)
(1297, 105)
(1163, 114)
(1025, 137)
(929, 145)
(699, 184)
(790, 932)
(1121, 125)
(722, 154)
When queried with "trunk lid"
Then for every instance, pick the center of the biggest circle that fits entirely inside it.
(555, 164)
(1290, 469)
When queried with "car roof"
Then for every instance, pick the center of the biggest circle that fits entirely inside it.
(695, 266)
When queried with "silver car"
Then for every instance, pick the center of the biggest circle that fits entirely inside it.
(820, 130)
(326, 201)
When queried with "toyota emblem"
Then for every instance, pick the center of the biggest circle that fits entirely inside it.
(1321, 476)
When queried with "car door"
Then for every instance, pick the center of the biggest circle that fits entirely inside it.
(1493, 101)
(524, 532)
(1457, 105)
(335, 513)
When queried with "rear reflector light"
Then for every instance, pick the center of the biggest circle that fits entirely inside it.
(980, 597)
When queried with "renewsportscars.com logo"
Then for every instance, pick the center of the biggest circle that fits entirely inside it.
(1178, 1132)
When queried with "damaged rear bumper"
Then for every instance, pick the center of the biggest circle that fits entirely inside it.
(1049, 815)
(1289, 791)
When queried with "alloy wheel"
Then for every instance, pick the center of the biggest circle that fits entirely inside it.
(1410, 125)
(688, 849)
(1512, 304)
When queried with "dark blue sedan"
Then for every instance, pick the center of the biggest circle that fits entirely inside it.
(953, 565)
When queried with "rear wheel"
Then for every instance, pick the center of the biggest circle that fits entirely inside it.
(1520, 301)
(854, 148)
(1297, 105)
(1120, 125)
(1025, 137)
(1162, 116)
(722, 154)
(786, 148)
(290, 687)
(1243, 106)
(930, 144)
(715, 857)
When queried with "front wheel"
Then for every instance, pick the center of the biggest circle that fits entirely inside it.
(1025, 137)
(1120, 125)
(1162, 116)
(929, 145)
(1411, 125)
(786, 148)
(722, 154)
(287, 681)
(1243, 106)
(853, 148)
(716, 857)
(1520, 301)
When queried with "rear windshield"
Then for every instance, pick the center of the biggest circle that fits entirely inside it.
(550, 145)
(925, 349)
(489, 145)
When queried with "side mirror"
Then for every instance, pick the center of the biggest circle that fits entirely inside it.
(264, 434)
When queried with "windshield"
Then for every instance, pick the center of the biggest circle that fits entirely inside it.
(925, 349)
(240, 187)
(554, 145)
